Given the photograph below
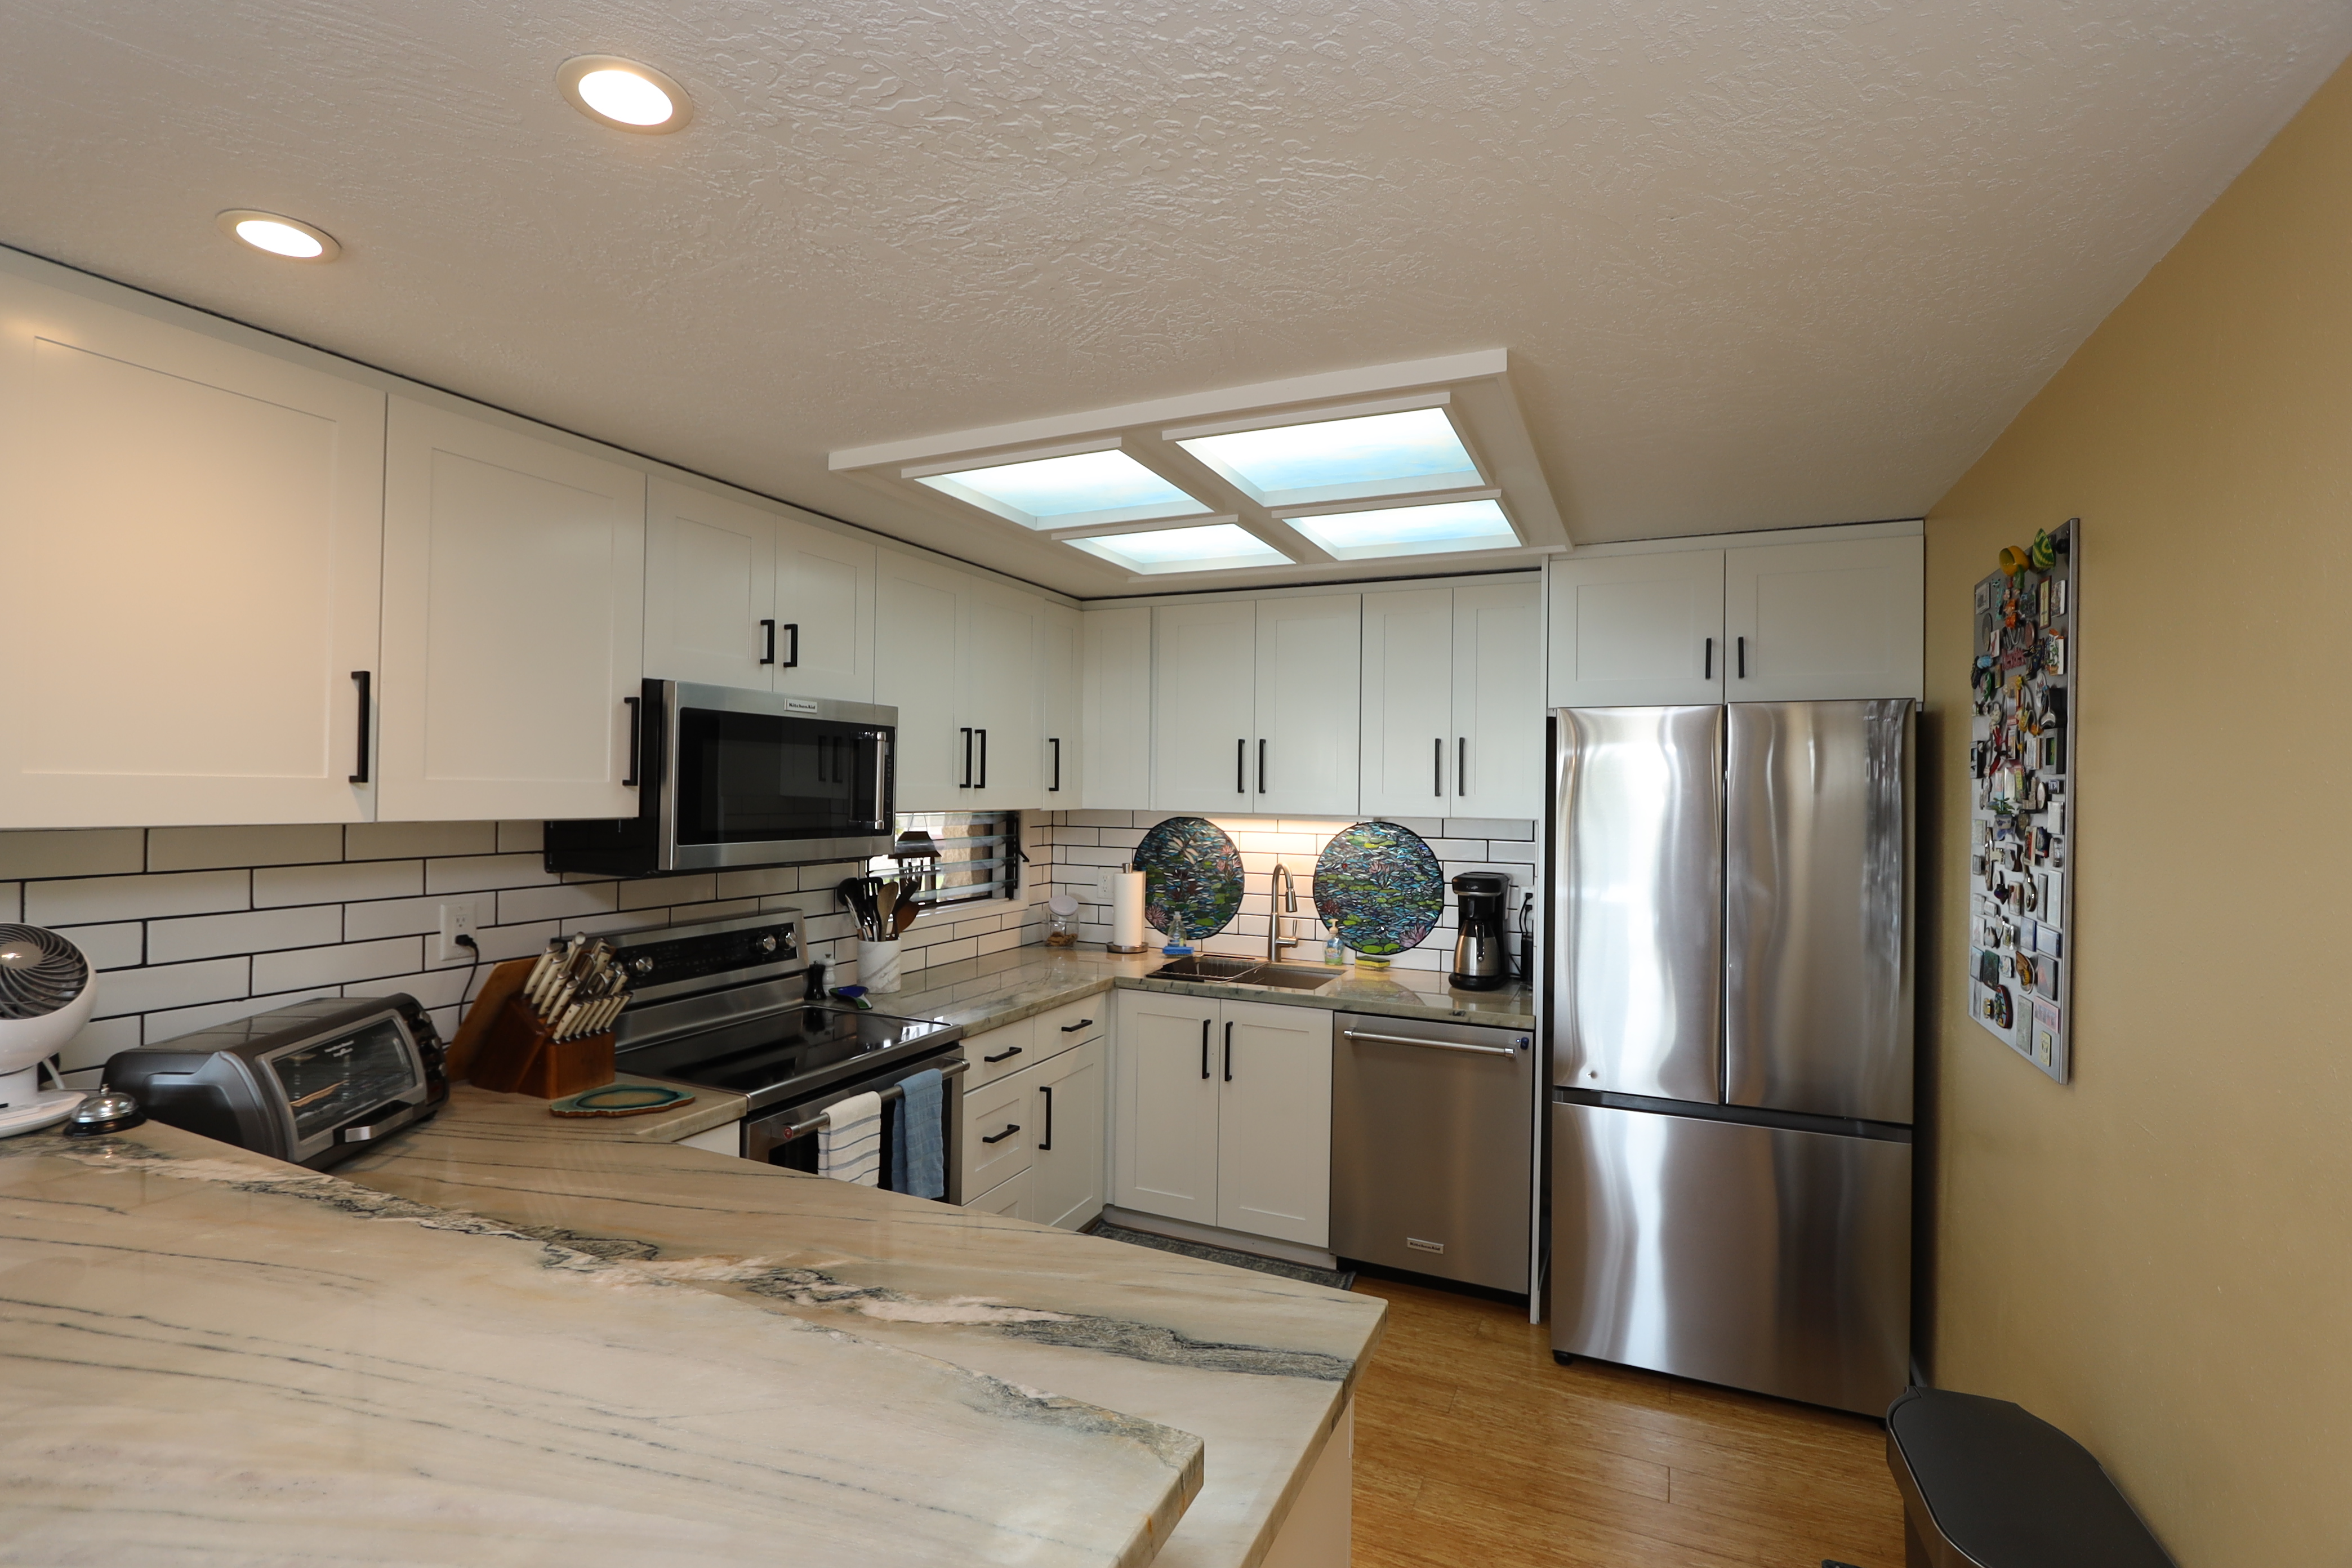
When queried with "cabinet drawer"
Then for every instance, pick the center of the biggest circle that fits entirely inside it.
(1009, 1198)
(1087, 1018)
(1001, 1052)
(996, 1112)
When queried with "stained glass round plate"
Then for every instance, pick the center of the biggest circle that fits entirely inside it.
(1380, 888)
(1192, 871)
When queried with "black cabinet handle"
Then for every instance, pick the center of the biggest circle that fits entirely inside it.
(1261, 766)
(1010, 1129)
(1073, 1029)
(636, 736)
(1462, 765)
(367, 680)
(1438, 767)
(769, 628)
(793, 662)
(1204, 1047)
(966, 732)
(1046, 1142)
(1229, 1053)
(1056, 787)
(1743, 659)
(984, 759)
(1706, 670)
(1241, 765)
(1004, 1056)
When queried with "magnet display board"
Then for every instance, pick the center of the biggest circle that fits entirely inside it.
(2021, 808)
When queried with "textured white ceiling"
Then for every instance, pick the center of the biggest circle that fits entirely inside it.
(1758, 265)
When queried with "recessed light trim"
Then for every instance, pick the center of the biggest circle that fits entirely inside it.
(626, 94)
(277, 235)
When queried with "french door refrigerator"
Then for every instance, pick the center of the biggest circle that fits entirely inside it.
(1731, 1037)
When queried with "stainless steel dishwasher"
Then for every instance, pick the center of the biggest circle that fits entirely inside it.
(1432, 1137)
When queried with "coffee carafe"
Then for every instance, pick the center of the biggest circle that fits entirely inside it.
(1480, 961)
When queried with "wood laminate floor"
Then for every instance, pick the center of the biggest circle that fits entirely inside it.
(1473, 1449)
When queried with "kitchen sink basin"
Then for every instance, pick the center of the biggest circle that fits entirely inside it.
(1246, 972)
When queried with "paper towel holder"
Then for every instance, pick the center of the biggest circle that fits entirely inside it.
(1126, 869)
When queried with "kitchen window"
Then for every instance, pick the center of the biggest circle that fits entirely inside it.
(980, 855)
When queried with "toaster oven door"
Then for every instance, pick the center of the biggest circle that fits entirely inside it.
(338, 1081)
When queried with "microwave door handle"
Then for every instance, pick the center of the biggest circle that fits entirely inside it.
(883, 804)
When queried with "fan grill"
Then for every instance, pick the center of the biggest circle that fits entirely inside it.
(40, 972)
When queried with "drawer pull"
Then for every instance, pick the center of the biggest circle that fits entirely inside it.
(1010, 1128)
(1081, 1024)
(1007, 1055)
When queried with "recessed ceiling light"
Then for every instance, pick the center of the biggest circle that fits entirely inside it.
(286, 237)
(1213, 547)
(1072, 491)
(1409, 530)
(1340, 459)
(623, 94)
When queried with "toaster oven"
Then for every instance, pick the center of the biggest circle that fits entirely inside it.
(312, 1083)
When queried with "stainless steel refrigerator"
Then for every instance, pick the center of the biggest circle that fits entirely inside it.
(1731, 1035)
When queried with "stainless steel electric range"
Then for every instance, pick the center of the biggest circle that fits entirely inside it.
(725, 1004)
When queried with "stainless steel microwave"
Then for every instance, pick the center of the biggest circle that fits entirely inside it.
(727, 777)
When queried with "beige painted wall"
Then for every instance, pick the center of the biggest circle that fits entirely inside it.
(2159, 1256)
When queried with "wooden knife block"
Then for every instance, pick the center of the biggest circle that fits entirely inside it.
(504, 1046)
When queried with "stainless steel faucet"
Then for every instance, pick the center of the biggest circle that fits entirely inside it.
(1284, 900)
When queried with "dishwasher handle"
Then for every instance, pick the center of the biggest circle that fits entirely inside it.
(1432, 1045)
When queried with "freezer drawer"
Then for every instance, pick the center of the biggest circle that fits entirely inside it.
(1431, 1145)
(1754, 1257)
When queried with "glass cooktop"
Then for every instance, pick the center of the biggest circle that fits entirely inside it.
(778, 1055)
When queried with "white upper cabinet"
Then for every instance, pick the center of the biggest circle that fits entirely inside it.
(1064, 761)
(915, 671)
(710, 589)
(959, 660)
(513, 602)
(1633, 631)
(824, 634)
(1408, 701)
(1254, 705)
(1002, 700)
(1819, 621)
(1116, 682)
(1453, 708)
(192, 535)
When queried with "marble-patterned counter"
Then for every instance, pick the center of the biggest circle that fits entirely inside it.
(215, 1358)
(1259, 1368)
(1005, 987)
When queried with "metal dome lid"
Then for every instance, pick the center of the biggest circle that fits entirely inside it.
(40, 972)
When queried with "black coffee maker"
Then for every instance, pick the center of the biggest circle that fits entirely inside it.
(1481, 961)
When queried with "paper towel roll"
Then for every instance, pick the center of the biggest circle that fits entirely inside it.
(1127, 913)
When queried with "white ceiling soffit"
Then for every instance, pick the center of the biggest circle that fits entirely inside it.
(1473, 390)
(1757, 267)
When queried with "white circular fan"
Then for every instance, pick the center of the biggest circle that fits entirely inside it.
(47, 991)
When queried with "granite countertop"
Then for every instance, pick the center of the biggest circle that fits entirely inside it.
(1005, 988)
(1257, 1367)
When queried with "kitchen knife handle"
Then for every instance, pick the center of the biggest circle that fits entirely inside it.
(1228, 1051)
(1438, 767)
(637, 708)
(793, 662)
(769, 628)
(1261, 765)
(1205, 1049)
(367, 680)
(1706, 669)
(1056, 787)
(967, 757)
(1046, 1142)
(1743, 659)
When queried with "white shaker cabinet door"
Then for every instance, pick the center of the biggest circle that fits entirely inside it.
(710, 588)
(1062, 764)
(1164, 1122)
(1408, 731)
(1001, 699)
(1068, 1105)
(1824, 622)
(513, 650)
(192, 535)
(825, 613)
(1116, 685)
(1303, 759)
(1498, 746)
(1274, 1132)
(916, 671)
(1204, 696)
(1637, 631)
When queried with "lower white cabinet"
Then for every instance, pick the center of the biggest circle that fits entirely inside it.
(1033, 1138)
(1009, 1198)
(1223, 1114)
(1065, 1171)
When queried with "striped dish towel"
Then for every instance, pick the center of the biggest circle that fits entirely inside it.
(849, 1145)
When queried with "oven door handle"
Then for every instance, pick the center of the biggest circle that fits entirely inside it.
(954, 1069)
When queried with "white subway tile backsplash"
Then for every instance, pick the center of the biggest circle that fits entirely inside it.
(481, 873)
(409, 917)
(724, 908)
(622, 920)
(170, 1026)
(89, 900)
(561, 901)
(1098, 818)
(501, 942)
(208, 848)
(434, 988)
(521, 838)
(337, 882)
(1516, 830)
(660, 892)
(72, 852)
(416, 840)
(119, 946)
(97, 1041)
(215, 936)
(759, 884)
(124, 991)
(334, 965)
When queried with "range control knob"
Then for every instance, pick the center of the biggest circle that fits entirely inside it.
(643, 965)
(767, 944)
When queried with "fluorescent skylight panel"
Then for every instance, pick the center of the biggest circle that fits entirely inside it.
(1219, 546)
(1409, 530)
(1052, 492)
(1374, 454)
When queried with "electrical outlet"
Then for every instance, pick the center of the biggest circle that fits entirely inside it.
(456, 919)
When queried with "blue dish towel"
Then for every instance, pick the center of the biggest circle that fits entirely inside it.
(917, 1156)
